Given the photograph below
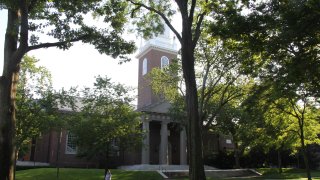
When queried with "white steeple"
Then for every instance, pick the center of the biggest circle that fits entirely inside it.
(165, 41)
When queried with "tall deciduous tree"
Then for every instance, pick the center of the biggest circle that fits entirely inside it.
(281, 40)
(273, 132)
(62, 20)
(296, 118)
(193, 13)
(106, 122)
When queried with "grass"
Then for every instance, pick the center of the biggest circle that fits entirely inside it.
(97, 174)
(83, 174)
(288, 173)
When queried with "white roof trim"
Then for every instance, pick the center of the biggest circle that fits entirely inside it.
(149, 46)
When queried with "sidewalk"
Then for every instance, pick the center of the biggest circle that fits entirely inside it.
(149, 167)
(31, 163)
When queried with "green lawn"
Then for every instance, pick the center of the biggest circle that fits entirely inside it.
(288, 173)
(83, 174)
(97, 174)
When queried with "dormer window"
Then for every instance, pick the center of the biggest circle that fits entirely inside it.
(144, 66)
(164, 62)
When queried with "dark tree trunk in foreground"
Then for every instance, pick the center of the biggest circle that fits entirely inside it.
(7, 124)
(191, 30)
(196, 168)
(8, 87)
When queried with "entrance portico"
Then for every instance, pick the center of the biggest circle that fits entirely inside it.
(164, 141)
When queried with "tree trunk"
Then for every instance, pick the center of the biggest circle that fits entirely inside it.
(305, 157)
(49, 146)
(8, 86)
(298, 161)
(303, 148)
(33, 149)
(236, 155)
(7, 124)
(279, 161)
(196, 168)
(58, 152)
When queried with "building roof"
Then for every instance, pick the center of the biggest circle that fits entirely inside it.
(159, 107)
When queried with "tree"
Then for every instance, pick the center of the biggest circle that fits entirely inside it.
(106, 122)
(192, 14)
(277, 128)
(273, 132)
(295, 124)
(33, 102)
(279, 37)
(280, 40)
(303, 120)
(220, 78)
(217, 74)
(38, 106)
(228, 123)
(62, 20)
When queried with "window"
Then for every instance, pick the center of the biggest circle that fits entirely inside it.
(71, 147)
(228, 141)
(144, 66)
(164, 62)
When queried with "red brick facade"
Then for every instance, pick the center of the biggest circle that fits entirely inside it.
(47, 151)
(145, 95)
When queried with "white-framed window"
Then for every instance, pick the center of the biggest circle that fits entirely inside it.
(145, 66)
(164, 61)
(71, 147)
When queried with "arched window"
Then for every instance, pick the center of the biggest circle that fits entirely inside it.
(144, 66)
(164, 62)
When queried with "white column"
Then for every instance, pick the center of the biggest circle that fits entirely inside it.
(183, 147)
(145, 155)
(163, 153)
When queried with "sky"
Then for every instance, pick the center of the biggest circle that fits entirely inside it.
(79, 65)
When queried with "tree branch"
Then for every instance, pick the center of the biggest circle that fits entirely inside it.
(202, 94)
(197, 30)
(295, 108)
(166, 20)
(47, 45)
(23, 42)
(193, 6)
(285, 111)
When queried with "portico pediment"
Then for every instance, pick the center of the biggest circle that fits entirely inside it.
(160, 107)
